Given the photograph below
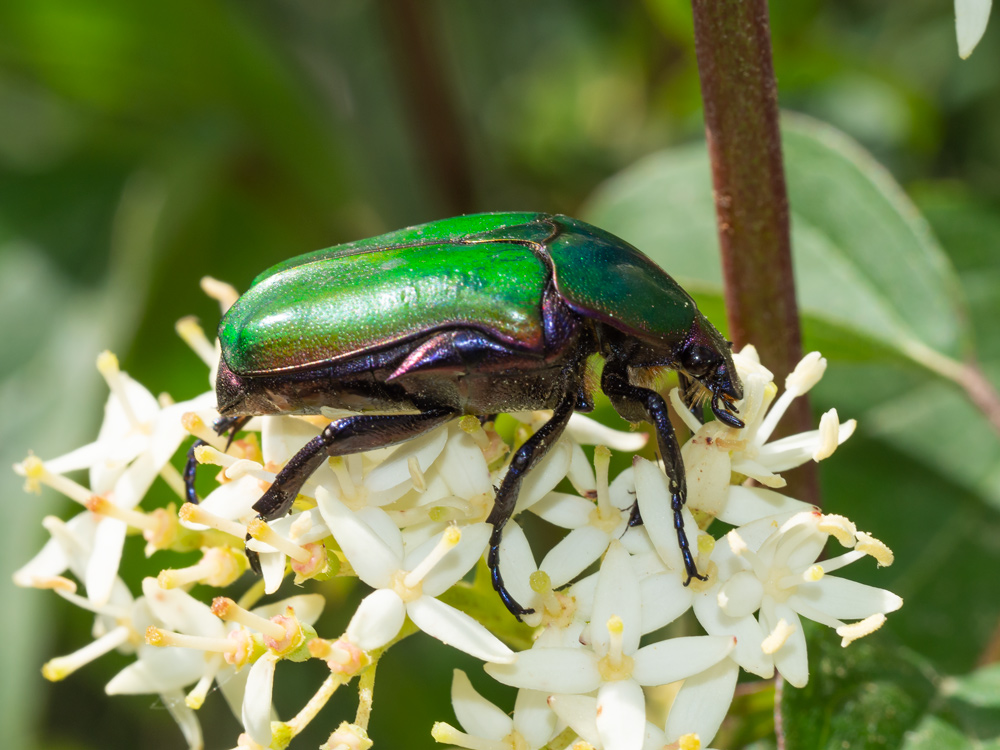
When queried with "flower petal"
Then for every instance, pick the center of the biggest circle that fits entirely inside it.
(455, 628)
(175, 609)
(257, 699)
(970, 23)
(102, 567)
(383, 481)
(564, 510)
(554, 670)
(456, 563)
(746, 630)
(158, 670)
(791, 659)
(617, 595)
(533, 718)
(377, 620)
(307, 607)
(573, 554)
(588, 431)
(664, 599)
(703, 702)
(185, 717)
(844, 599)
(542, 479)
(678, 658)
(517, 565)
(621, 715)
(371, 558)
(477, 715)
(463, 467)
(654, 503)
(745, 504)
(283, 437)
(579, 713)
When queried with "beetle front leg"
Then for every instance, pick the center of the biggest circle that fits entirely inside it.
(616, 386)
(526, 457)
(340, 438)
(232, 425)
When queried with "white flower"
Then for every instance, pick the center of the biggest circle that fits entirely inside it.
(135, 444)
(716, 450)
(407, 582)
(612, 662)
(769, 565)
(970, 23)
(490, 728)
(592, 526)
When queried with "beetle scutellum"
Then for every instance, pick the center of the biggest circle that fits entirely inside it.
(477, 315)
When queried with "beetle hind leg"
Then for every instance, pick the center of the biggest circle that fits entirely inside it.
(356, 434)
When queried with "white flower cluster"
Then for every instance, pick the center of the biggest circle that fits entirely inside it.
(409, 522)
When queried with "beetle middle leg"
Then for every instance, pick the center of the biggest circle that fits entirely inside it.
(618, 388)
(526, 457)
(357, 434)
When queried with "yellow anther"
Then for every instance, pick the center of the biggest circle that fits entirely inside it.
(839, 527)
(867, 626)
(813, 573)
(872, 546)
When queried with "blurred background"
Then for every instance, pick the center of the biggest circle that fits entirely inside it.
(145, 145)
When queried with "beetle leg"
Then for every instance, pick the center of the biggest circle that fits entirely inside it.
(617, 387)
(232, 425)
(526, 457)
(363, 432)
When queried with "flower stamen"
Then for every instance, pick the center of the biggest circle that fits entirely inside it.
(451, 537)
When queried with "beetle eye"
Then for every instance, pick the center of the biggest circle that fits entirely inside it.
(698, 360)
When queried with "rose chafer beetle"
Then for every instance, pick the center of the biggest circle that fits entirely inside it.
(472, 315)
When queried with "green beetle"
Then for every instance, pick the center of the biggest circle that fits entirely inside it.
(473, 315)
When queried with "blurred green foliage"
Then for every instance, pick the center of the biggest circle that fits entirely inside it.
(145, 145)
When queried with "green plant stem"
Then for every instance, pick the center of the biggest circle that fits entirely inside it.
(733, 46)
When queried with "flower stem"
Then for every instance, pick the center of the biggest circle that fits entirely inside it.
(733, 46)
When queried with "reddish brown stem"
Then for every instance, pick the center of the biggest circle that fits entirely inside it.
(733, 46)
(437, 131)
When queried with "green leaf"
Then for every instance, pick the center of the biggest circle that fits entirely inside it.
(981, 688)
(864, 696)
(872, 281)
(871, 695)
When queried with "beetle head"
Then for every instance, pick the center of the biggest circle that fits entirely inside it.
(706, 357)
